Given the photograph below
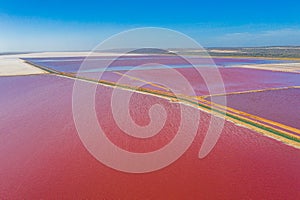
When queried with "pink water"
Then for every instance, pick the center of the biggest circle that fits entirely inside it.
(41, 155)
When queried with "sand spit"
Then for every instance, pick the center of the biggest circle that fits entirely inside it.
(13, 65)
(16, 67)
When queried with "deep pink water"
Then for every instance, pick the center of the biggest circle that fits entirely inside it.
(41, 155)
(281, 106)
(232, 79)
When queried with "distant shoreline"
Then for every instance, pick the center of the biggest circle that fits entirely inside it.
(260, 50)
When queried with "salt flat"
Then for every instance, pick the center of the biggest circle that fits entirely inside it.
(284, 67)
(12, 65)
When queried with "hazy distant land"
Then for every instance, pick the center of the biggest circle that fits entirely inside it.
(273, 52)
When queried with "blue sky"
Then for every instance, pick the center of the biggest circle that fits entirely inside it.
(80, 25)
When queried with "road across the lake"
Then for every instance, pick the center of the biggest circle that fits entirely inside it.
(284, 133)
